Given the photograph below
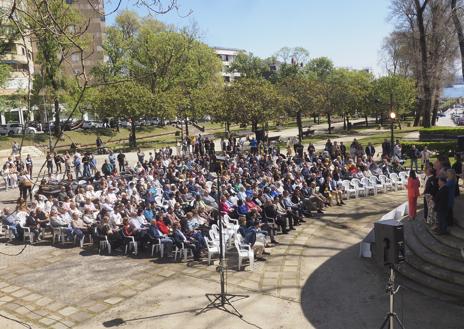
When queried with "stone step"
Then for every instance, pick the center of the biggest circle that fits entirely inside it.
(408, 284)
(448, 239)
(458, 211)
(457, 231)
(433, 270)
(429, 241)
(440, 286)
(430, 257)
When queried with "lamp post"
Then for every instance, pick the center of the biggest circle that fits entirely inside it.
(392, 117)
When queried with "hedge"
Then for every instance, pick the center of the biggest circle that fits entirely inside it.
(440, 133)
(440, 147)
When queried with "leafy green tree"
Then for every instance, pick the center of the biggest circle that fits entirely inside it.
(301, 92)
(126, 100)
(250, 66)
(252, 101)
(54, 47)
(393, 93)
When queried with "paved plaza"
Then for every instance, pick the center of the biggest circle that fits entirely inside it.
(313, 279)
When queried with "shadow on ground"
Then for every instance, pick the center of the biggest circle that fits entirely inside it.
(349, 292)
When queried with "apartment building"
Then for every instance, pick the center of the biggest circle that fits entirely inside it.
(227, 56)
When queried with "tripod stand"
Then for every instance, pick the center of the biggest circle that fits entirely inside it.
(223, 300)
(391, 316)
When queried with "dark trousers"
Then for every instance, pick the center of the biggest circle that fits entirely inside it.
(442, 221)
(426, 209)
(450, 217)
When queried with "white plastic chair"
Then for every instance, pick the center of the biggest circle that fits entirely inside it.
(366, 183)
(244, 251)
(131, 244)
(404, 177)
(378, 186)
(182, 250)
(348, 190)
(396, 181)
(357, 186)
(59, 234)
(387, 183)
(104, 244)
(158, 247)
(213, 249)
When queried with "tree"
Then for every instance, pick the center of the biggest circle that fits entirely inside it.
(250, 66)
(394, 93)
(54, 48)
(126, 100)
(302, 97)
(455, 12)
(252, 101)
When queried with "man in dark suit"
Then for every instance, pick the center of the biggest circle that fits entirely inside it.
(370, 150)
(441, 206)
(431, 187)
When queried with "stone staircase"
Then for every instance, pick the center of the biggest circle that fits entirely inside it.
(434, 264)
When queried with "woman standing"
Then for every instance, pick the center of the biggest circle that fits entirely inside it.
(413, 194)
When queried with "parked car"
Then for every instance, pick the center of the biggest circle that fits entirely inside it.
(11, 129)
(92, 124)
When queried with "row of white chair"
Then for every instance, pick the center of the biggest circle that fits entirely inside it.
(367, 185)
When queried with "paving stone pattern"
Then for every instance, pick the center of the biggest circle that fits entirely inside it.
(63, 286)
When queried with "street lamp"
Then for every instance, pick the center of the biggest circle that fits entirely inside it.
(392, 117)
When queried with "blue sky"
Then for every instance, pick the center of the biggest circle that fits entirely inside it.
(350, 32)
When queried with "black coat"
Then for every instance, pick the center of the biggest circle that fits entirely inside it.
(431, 186)
(441, 200)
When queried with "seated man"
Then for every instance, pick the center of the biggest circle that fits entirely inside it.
(155, 235)
(190, 243)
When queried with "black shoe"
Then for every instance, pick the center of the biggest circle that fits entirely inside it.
(342, 202)
(320, 212)
(275, 242)
(260, 259)
(292, 228)
(266, 253)
(302, 221)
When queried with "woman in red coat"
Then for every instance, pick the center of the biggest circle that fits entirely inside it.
(413, 194)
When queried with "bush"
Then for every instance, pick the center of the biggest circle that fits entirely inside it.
(440, 133)
(444, 147)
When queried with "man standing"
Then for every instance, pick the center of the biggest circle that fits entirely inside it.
(370, 150)
(386, 148)
(441, 206)
(413, 155)
(430, 190)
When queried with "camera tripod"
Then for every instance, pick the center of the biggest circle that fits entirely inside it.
(223, 300)
(391, 316)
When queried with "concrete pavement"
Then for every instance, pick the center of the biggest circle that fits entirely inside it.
(313, 279)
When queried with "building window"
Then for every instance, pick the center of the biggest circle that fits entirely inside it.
(227, 58)
(226, 79)
(69, 2)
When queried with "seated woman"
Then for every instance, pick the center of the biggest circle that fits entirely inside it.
(113, 235)
(191, 243)
(79, 227)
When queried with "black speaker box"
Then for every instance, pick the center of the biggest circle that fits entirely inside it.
(389, 242)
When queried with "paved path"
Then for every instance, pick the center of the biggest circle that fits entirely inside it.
(311, 280)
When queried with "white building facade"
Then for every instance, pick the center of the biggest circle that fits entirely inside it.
(227, 56)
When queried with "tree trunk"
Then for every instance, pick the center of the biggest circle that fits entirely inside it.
(418, 112)
(315, 118)
(329, 121)
(57, 128)
(367, 120)
(436, 105)
(133, 138)
(254, 126)
(318, 119)
(459, 32)
(186, 128)
(348, 126)
(344, 121)
(427, 101)
(299, 124)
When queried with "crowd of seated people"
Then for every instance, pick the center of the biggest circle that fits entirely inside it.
(174, 200)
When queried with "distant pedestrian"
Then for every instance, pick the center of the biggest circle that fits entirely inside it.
(413, 194)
